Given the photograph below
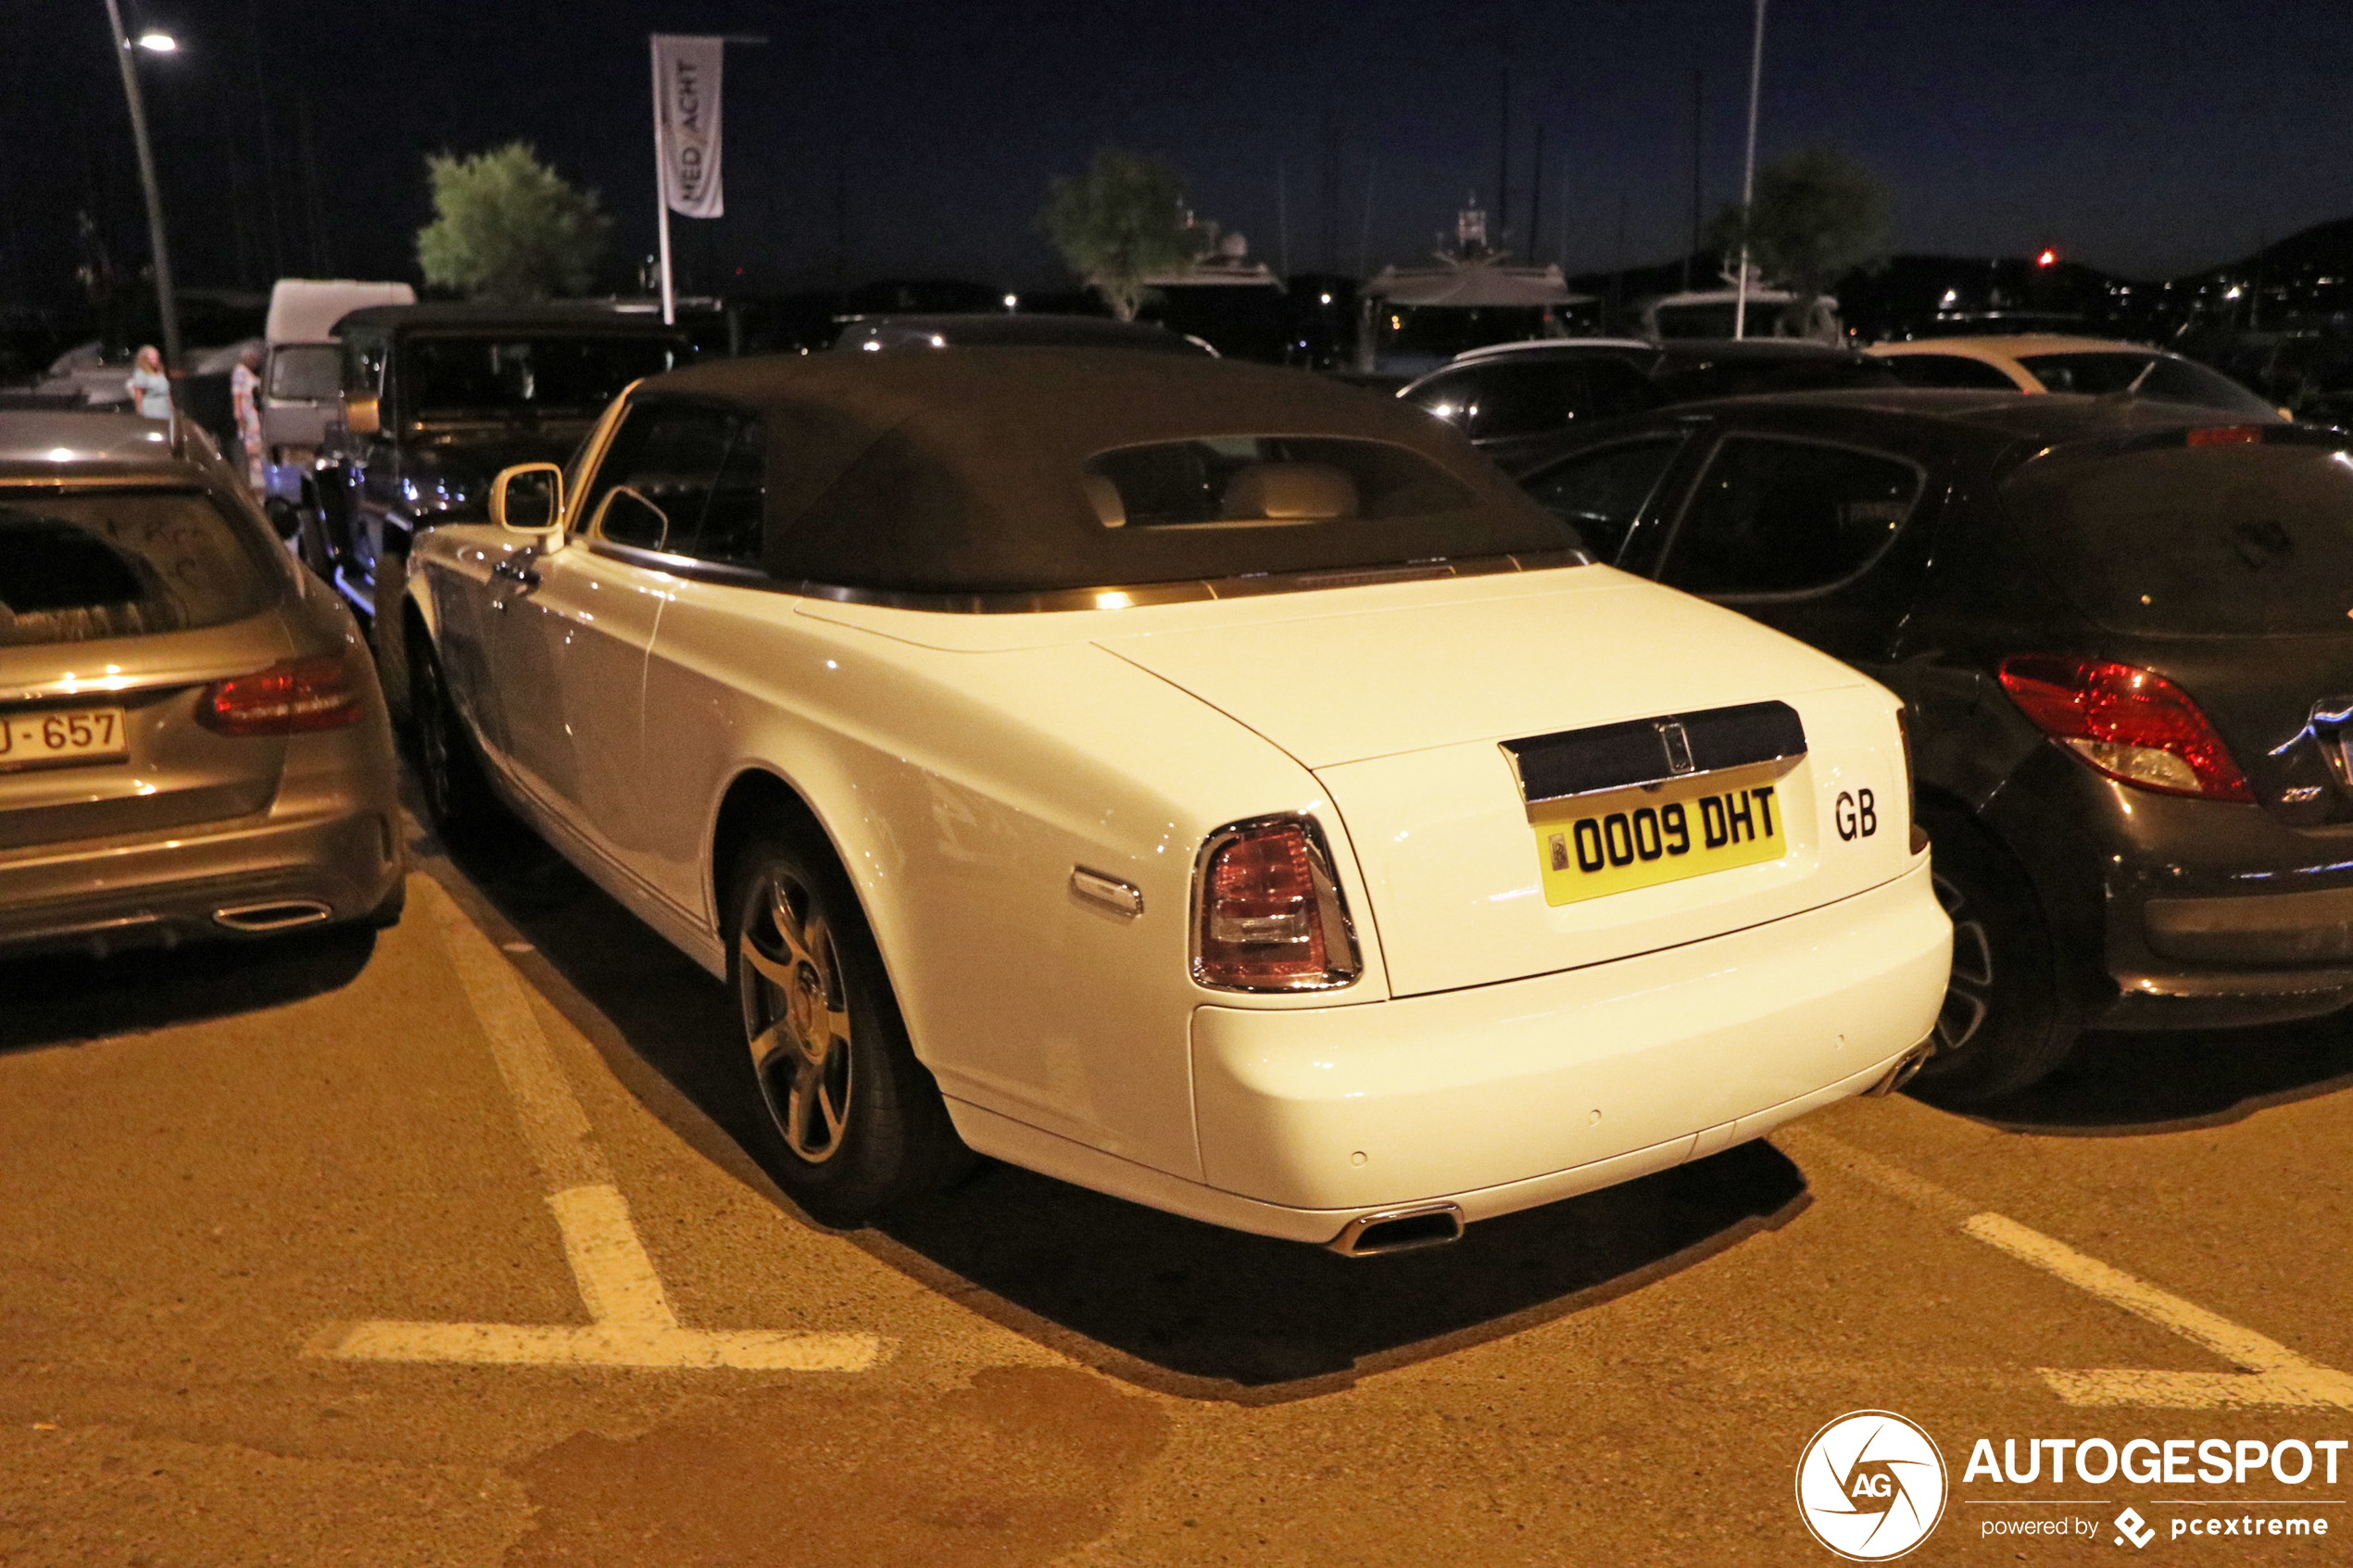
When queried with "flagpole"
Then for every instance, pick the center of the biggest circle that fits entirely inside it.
(1748, 173)
(661, 191)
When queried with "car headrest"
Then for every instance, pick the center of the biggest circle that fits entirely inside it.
(1290, 492)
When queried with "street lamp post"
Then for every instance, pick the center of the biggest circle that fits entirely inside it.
(159, 43)
(1748, 172)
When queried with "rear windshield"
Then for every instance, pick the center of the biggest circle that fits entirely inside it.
(80, 566)
(2161, 378)
(1258, 482)
(2198, 541)
(462, 377)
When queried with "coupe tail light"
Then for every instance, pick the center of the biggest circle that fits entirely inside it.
(296, 697)
(1268, 910)
(2131, 724)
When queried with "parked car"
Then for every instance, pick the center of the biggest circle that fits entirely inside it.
(1156, 771)
(2121, 632)
(2093, 366)
(191, 743)
(302, 382)
(436, 399)
(1006, 329)
(1514, 398)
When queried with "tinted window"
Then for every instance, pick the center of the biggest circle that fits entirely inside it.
(454, 377)
(2204, 541)
(730, 533)
(2095, 373)
(1777, 516)
(363, 364)
(82, 566)
(2180, 380)
(1946, 370)
(1614, 387)
(1601, 494)
(1748, 377)
(656, 480)
(305, 372)
(1268, 481)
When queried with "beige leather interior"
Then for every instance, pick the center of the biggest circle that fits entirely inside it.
(1290, 492)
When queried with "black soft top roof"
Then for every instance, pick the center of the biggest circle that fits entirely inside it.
(963, 472)
(460, 315)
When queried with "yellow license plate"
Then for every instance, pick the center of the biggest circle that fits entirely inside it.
(61, 735)
(1597, 845)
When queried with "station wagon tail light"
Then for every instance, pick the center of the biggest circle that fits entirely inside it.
(295, 697)
(1267, 911)
(2132, 724)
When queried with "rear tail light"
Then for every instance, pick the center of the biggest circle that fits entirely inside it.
(2224, 435)
(296, 697)
(1267, 913)
(2131, 724)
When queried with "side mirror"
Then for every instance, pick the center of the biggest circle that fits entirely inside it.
(528, 498)
(360, 415)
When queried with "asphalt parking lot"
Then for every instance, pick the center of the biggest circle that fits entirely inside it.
(441, 1245)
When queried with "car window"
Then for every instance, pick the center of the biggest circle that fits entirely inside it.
(650, 490)
(1446, 396)
(2096, 372)
(2181, 380)
(730, 532)
(1948, 371)
(363, 364)
(83, 565)
(1266, 482)
(1774, 516)
(1601, 492)
(459, 377)
(305, 373)
(1614, 388)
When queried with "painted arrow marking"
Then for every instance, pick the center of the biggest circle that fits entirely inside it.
(2273, 1375)
(631, 1322)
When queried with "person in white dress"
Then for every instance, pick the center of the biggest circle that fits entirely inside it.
(245, 398)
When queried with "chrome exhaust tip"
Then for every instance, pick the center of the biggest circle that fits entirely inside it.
(1399, 1230)
(1901, 1073)
(281, 914)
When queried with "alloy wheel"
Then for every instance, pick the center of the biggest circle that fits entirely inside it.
(1969, 994)
(796, 1017)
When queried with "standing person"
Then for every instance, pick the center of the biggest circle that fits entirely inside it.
(150, 387)
(245, 398)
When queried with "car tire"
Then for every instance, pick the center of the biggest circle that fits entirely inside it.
(391, 644)
(386, 914)
(853, 1123)
(450, 771)
(2003, 1025)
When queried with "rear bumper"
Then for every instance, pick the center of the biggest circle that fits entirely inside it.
(331, 838)
(1500, 1097)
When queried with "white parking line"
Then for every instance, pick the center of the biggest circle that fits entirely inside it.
(631, 1322)
(2274, 1375)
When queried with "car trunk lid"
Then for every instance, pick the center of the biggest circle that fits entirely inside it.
(1457, 740)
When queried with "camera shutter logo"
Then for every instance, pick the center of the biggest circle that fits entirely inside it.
(1871, 1485)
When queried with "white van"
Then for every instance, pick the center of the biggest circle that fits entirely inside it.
(302, 380)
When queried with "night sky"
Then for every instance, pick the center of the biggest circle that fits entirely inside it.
(903, 139)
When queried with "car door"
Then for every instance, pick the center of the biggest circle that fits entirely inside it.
(568, 636)
(1801, 533)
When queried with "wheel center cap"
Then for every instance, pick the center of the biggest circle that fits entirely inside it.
(804, 1004)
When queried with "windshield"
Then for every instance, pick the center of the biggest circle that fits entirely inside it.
(305, 372)
(2198, 541)
(459, 377)
(84, 565)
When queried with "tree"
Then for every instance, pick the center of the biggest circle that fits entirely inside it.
(1818, 215)
(1119, 223)
(507, 226)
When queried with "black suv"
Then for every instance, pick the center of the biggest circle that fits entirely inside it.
(2120, 628)
(438, 399)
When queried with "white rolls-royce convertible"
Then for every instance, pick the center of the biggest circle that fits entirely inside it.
(1198, 781)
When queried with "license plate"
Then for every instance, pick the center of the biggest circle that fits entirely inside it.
(61, 736)
(1597, 845)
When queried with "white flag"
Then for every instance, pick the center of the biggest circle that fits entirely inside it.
(687, 122)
